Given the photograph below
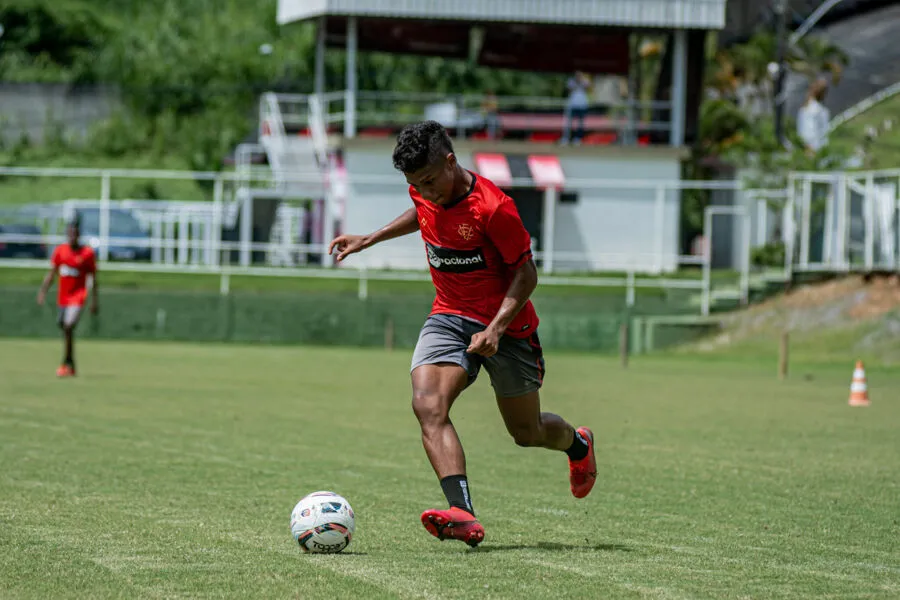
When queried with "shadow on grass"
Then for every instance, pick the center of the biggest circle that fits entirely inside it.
(555, 547)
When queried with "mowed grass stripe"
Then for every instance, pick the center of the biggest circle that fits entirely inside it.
(169, 470)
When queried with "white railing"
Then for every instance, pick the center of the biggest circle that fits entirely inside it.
(178, 245)
(858, 215)
(629, 282)
(462, 112)
(864, 105)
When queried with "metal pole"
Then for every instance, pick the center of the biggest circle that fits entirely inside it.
(633, 83)
(678, 97)
(787, 219)
(549, 228)
(762, 221)
(659, 227)
(363, 291)
(868, 214)
(184, 231)
(208, 250)
(327, 227)
(170, 239)
(745, 266)
(105, 185)
(778, 101)
(350, 92)
(805, 217)
(629, 289)
(812, 20)
(287, 237)
(842, 259)
(246, 230)
(320, 57)
(828, 235)
(895, 261)
(218, 207)
(707, 262)
(156, 230)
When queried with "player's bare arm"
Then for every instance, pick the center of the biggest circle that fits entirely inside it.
(523, 284)
(347, 244)
(45, 285)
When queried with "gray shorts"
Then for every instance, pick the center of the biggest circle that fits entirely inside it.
(68, 315)
(517, 368)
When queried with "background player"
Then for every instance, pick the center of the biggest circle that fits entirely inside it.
(483, 274)
(74, 263)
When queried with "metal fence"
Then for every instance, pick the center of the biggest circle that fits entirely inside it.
(215, 235)
(844, 221)
(465, 114)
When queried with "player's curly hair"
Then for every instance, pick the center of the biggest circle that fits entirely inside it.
(421, 144)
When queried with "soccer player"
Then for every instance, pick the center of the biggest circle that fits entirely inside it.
(483, 274)
(74, 263)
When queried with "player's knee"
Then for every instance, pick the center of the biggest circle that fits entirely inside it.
(526, 437)
(429, 408)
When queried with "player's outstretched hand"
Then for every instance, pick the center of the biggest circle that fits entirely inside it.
(485, 343)
(41, 297)
(347, 245)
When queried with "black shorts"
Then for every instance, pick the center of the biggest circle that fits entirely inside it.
(517, 368)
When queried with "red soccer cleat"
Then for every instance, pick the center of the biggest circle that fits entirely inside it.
(583, 473)
(65, 371)
(453, 524)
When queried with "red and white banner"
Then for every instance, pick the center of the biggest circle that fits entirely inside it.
(546, 171)
(494, 167)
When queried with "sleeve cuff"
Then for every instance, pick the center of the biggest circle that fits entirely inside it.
(521, 260)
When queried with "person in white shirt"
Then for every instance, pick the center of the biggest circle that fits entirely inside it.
(813, 118)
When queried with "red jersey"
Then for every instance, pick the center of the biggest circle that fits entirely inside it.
(474, 246)
(74, 267)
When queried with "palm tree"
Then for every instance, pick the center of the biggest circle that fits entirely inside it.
(815, 56)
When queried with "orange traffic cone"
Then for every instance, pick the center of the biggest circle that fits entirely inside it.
(859, 391)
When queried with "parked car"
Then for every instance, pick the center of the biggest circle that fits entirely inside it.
(21, 249)
(122, 224)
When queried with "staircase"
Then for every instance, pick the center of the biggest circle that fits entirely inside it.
(298, 162)
(293, 137)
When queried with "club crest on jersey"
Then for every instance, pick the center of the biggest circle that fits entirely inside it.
(455, 261)
(466, 231)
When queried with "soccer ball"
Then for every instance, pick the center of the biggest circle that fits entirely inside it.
(323, 522)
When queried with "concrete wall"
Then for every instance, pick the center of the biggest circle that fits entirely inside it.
(614, 227)
(29, 108)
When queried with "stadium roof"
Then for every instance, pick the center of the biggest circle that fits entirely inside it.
(670, 14)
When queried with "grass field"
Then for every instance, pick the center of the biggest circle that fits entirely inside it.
(885, 150)
(170, 471)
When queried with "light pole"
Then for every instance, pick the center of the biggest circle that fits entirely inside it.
(778, 99)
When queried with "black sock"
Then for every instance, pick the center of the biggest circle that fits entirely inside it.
(456, 489)
(579, 448)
